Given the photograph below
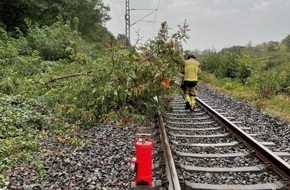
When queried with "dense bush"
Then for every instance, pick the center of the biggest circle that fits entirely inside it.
(55, 42)
(265, 70)
(227, 65)
(58, 72)
(51, 78)
(85, 84)
(100, 89)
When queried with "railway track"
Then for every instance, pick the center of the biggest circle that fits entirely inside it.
(208, 149)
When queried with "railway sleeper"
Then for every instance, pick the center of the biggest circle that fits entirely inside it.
(170, 114)
(194, 129)
(188, 118)
(191, 123)
(182, 110)
(261, 186)
(227, 155)
(234, 143)
(257, 168)
(200, 136)
(202, 129)
(206, 136)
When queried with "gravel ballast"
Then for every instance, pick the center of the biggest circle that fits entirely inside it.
(101, 163)
(269, 128)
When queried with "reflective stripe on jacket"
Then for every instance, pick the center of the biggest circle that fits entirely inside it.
(191, 70)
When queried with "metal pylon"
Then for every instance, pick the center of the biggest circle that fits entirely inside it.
(127, 20)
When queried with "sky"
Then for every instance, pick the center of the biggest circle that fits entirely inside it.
(213, 24)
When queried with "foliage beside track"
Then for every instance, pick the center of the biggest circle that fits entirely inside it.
(39, 40)
(259, 74)
(83, 83)
(19, 120)
(51, 78)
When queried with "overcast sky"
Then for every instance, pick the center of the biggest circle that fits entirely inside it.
(214, 24)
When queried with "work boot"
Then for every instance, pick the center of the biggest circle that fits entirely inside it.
(192, 108)
(187, 105)
(187, 101)
(192, 103)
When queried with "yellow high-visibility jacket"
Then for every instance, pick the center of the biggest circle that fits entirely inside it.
(191, 70)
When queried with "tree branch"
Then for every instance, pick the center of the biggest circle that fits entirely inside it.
(64, 77)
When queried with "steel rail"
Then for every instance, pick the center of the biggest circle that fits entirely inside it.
(273, 161)
(170, 166)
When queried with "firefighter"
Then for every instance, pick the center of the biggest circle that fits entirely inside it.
(191, 71)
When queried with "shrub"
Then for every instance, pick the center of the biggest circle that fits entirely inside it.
(55, 42)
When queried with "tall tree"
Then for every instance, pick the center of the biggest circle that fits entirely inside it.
(91, 14)
(12, 14)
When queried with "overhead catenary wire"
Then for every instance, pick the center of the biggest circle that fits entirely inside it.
(143, 17)
(142, 9)
(155, 18)
(150, 21)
